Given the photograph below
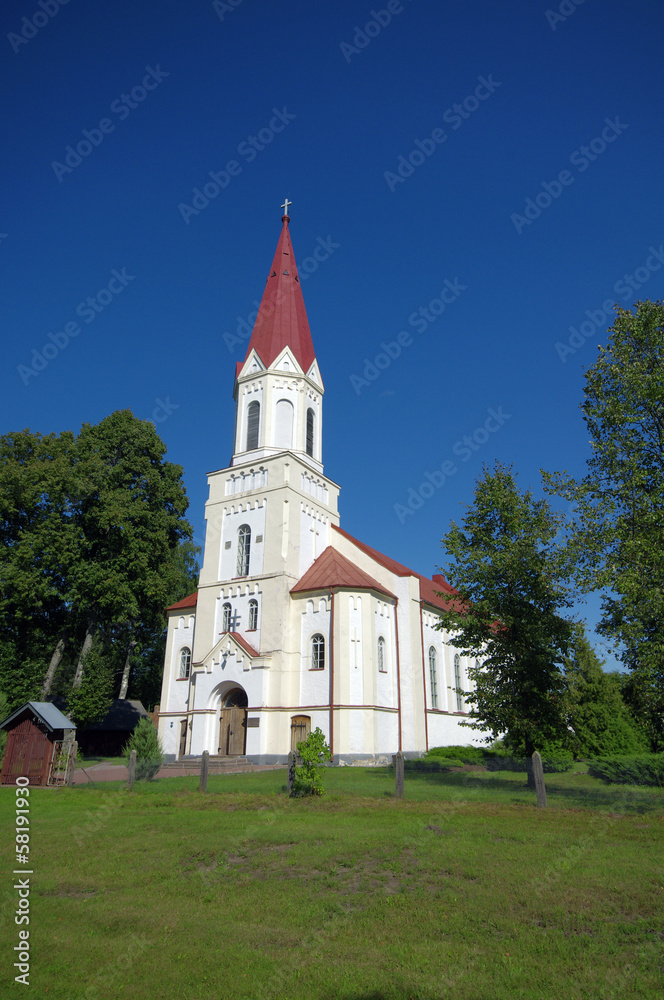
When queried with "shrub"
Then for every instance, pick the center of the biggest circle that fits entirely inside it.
(149, 754)
(642, 769)
(461, 755)
(313, 751)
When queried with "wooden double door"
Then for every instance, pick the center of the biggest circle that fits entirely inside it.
(232, 731)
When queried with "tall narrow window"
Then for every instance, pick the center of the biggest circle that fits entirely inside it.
(310, 431)
(243, 549)
(317, 652)
(253, 424)
(226, 618)
(253, 614)
(381, 655)
(433, 677)
(185, 663)
(457, 682)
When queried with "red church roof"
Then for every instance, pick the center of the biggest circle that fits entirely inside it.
(429, 589)
(331, 569)
(282, 319)
(186, 602)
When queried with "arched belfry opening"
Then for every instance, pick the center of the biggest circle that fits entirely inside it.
(233, 723)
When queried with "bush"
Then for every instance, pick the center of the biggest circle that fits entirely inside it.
(313, 751)
(461, 755)
(149, 754)
(644, 769)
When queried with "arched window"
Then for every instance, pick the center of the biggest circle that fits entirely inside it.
(457, 682)
(433, 677)
(311, 417)
(317, 652)
(185, 663)
(283, 432)
(243, 547)
(381, 655)
(253, 424)
(253, 614)
(226, 617)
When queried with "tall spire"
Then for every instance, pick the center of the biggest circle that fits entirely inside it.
(282, 319)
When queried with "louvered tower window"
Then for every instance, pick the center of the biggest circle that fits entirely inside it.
(311, 417)
(253, 424)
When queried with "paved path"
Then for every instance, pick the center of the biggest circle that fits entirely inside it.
(118, 772)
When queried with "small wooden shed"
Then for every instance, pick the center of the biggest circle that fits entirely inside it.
(40, 740)
(108, 736)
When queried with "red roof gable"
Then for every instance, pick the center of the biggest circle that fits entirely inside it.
(429, 589)
(243, 643)
(186, 602)
(282, 319)
(331, 569)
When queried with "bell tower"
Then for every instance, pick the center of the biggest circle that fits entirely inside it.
(278, 387)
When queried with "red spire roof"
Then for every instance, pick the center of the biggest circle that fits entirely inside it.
(282, 319)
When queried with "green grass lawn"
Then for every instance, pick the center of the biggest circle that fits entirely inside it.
(463, 890)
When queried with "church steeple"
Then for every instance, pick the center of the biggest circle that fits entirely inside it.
(282, 318)
(278, 386)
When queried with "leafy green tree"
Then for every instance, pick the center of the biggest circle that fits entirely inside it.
(91, 699)
(149, 753)
(601, 722)
(313, 751)
(511, 585)
(94, 546)
(617, 532)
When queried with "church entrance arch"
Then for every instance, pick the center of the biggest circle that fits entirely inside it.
(233, 723)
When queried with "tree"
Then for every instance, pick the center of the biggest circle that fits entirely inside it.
(601, 722)
(94, 546)
(617, 532)
(149, 753)
(510, 583)
(313, 751)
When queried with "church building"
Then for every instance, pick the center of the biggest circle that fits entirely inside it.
(295, 623)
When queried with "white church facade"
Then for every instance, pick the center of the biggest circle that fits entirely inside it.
(295, 623)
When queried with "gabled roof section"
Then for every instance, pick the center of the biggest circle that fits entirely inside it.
(429, 589)
(331, 569)
(51, 716)
(282, 319)
(241, 641)
(186, 602)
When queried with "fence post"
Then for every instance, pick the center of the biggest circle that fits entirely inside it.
(291, 772)
(204, 770)
(131, 774)
(538, 775)
(71, 763)
(398, 767)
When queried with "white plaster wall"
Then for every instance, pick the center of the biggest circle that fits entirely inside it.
(245, 480)
(438, 640)
(385, 683)
(315, 684)
(407, 662)
(314, 536)
(385, 732)
(253, 514)
(239, 597)
(446, 731)
(182, 635)
(355, 654)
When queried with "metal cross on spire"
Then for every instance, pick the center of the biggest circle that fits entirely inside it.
(285, 206)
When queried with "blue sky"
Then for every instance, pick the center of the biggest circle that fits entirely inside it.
(476, 179)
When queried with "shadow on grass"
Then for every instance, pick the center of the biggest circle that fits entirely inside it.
(616, 798)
